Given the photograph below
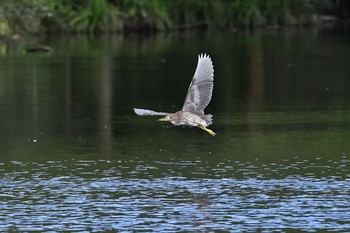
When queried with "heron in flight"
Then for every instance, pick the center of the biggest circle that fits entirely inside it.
(198, 97)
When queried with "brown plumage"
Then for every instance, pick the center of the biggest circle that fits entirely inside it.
(198, 97)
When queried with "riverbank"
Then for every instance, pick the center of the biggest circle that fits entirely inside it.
(123, 16)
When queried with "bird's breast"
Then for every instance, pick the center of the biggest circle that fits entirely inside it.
(193, 120)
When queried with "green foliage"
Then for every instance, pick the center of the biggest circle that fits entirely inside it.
(248, 12)
(273, 12)
(21, 16)
(5, 28)
(83, 16)
(152, 15)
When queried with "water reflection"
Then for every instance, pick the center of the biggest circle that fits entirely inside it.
(104, 107)
(73, 156)
(256, 83)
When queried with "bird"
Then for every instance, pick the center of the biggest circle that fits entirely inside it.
(198, 97)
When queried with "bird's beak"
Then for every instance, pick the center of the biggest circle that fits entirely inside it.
(167, 118)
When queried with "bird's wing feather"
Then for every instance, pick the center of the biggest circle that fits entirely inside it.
(201, 88)
(146, 112)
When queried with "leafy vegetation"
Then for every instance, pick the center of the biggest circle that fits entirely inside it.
(22, 15)
(152, 15)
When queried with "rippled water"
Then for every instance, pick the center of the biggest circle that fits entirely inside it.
(174, 195)
(74, 157)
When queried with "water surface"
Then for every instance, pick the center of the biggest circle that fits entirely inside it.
(74, 157)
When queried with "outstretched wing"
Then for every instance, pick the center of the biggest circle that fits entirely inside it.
(201, 88)
(145, 112)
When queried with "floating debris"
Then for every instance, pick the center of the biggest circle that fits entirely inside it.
(39, 48)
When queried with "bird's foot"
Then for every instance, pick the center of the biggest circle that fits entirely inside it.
(209, 131)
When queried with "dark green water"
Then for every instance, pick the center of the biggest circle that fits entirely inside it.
(74, 156)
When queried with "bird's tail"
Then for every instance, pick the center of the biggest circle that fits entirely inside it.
(208, 118)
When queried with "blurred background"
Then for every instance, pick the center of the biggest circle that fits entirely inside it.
(101, 16)
(75, 157)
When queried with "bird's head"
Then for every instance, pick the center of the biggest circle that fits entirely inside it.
(167, 118)
(174, 118)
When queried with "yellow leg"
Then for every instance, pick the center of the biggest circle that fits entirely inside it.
(211, 132)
